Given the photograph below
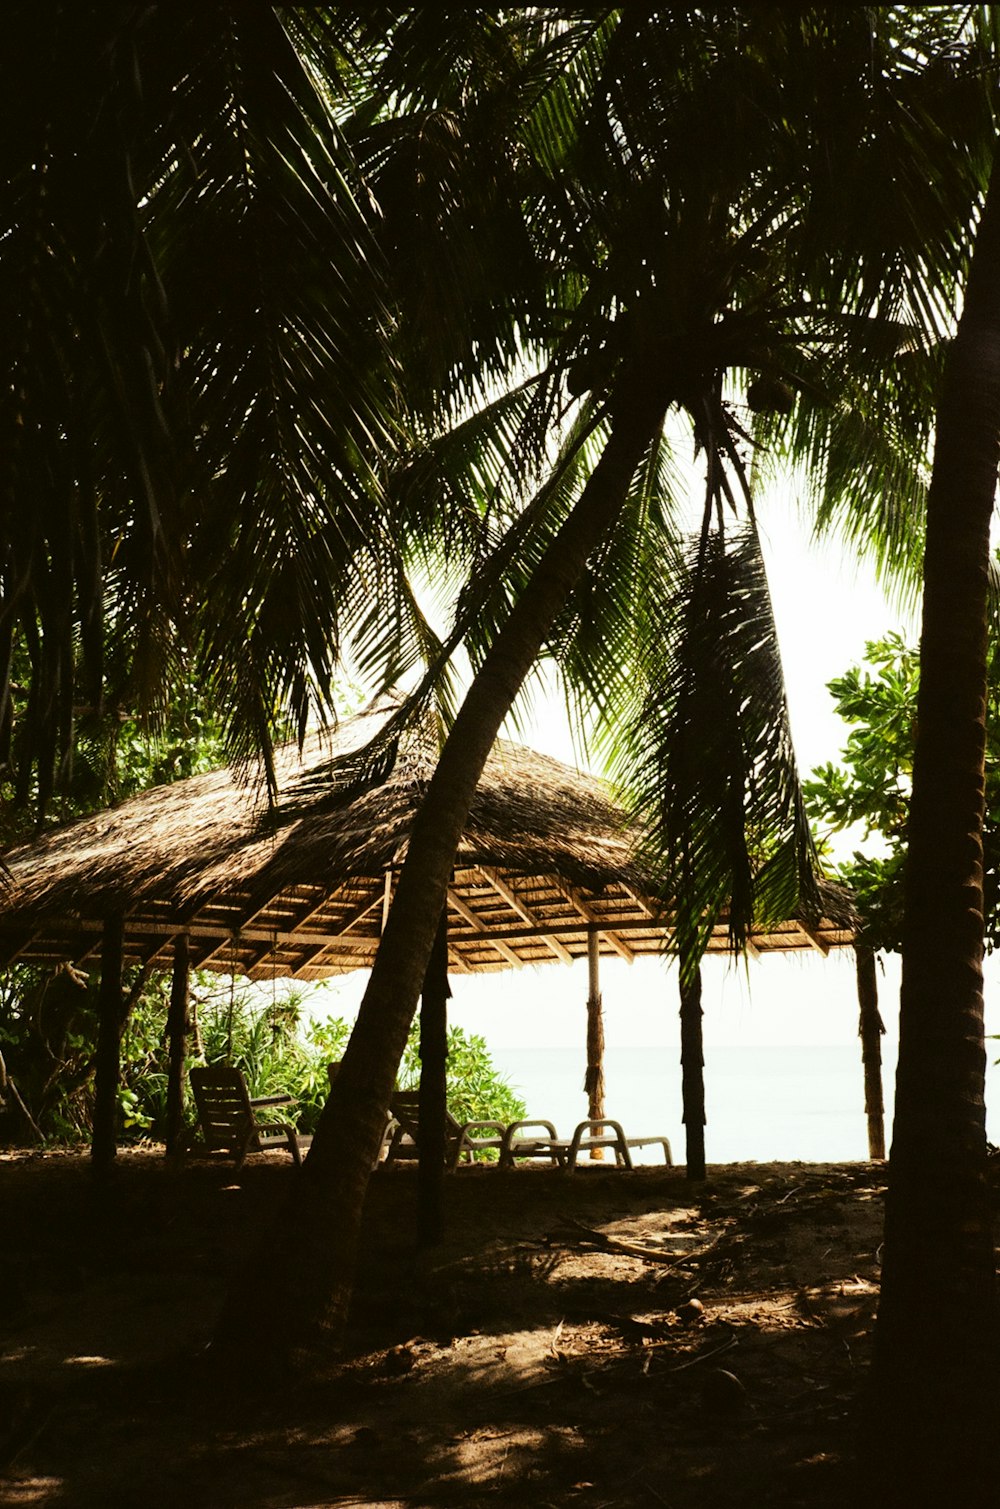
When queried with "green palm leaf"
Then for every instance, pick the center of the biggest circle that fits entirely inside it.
(709, 759)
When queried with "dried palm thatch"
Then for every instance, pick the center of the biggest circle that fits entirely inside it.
(546, 859)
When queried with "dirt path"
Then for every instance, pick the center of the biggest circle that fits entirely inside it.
(601, 1339)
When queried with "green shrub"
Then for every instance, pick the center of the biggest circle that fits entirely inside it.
(48, 1028)
(477, 1091)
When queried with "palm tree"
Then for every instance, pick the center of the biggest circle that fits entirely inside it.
(200, 385)
(663, 270)
(200, 400)
(937, 1377)
(706, 752)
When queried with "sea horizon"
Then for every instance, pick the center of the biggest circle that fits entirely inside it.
(763, 1103)
(783, 1071)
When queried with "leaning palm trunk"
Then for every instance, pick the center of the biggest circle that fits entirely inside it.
(312, 1249)
(937, 1367)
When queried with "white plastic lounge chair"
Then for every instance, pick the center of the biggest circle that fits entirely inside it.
(463, 1139)
(522, 1141)
(610, 1134)
(228, 1119)
(564, 1153)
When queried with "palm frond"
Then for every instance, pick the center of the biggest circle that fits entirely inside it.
(603, 640)
(204, 391)
(709, 761)
(860, 431)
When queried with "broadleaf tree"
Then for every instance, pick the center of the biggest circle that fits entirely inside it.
(868, 789)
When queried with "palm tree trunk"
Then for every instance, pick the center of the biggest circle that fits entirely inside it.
(177, 1028)
(693, 1076)
(937, 1399)
(593, 1082)
(309, 1254)
(432, 1115)
(104, 1139)
(870, 1030)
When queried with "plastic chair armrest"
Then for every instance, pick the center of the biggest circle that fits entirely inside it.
(519, 1126)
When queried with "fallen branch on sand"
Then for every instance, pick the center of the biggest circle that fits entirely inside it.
(671, 1260)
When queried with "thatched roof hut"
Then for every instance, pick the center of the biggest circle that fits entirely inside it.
(547, 859)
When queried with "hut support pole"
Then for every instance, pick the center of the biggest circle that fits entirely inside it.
(177, 1027)
(594, 1081)
(693, 1077)
(870, 1030)
(432, 1115)
(103, 1146)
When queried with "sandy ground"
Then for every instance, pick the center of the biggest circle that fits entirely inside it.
(596, 1339)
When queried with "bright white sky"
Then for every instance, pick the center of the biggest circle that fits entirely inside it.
(827, 608)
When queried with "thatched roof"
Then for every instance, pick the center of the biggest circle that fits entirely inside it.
(546, 859)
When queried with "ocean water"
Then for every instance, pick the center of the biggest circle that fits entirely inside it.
(802, 1100)
(762, 1103)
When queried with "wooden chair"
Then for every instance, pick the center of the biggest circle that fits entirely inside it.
(228, 1121)
(463, 1139)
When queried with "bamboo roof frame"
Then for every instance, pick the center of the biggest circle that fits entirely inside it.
(547, 860)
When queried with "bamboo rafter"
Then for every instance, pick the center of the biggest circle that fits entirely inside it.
(507, 893)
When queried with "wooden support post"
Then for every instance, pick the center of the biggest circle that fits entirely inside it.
(432, 1115)
(177, 1028)
(594, 1081)
(870, 1030)
(104, 1137)
(693, 1077)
